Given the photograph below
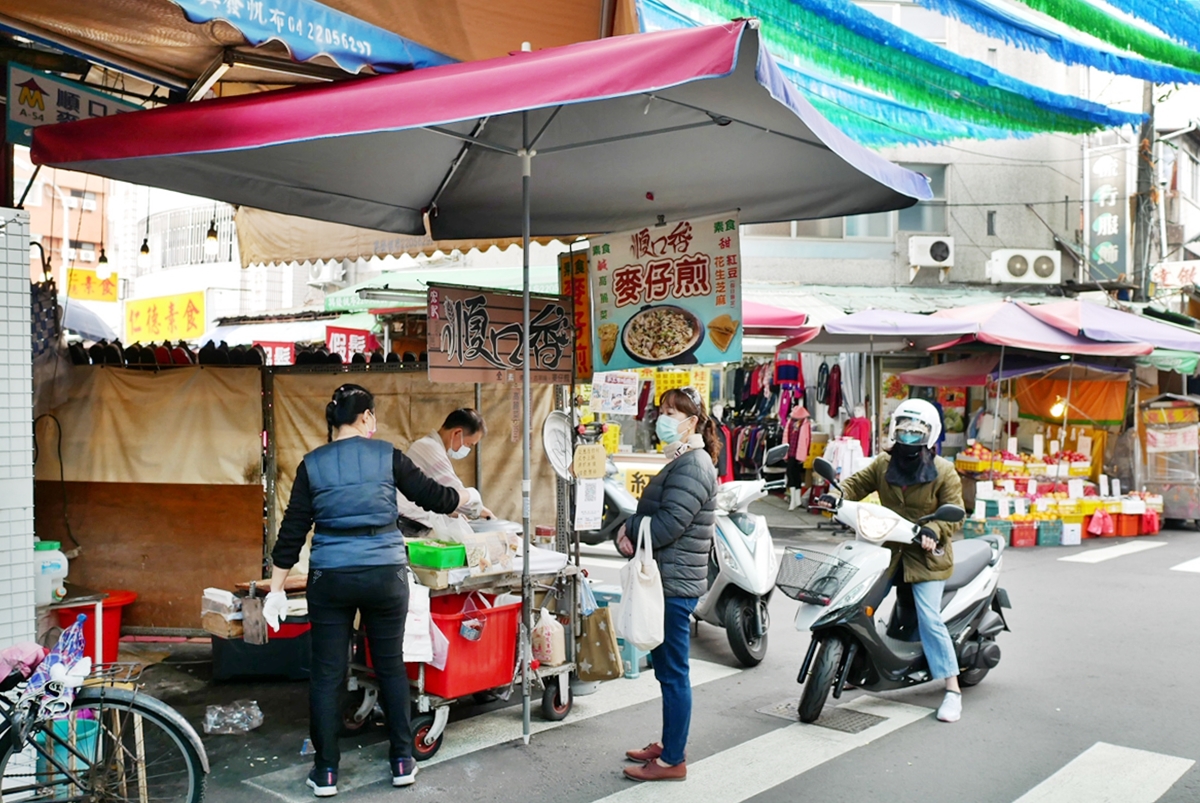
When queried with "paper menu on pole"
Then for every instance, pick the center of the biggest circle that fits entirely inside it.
(589, 504)
(615, 392)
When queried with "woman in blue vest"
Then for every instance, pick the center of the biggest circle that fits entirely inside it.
(347, 489)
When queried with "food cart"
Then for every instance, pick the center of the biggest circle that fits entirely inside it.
(1171, 457)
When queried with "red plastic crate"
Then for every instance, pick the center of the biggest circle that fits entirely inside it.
(1024, 533)
(1127, 525)
(474, 666)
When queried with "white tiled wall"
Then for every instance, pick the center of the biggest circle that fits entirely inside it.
(16, 439)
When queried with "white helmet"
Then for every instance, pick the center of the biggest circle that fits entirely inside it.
(915, 422)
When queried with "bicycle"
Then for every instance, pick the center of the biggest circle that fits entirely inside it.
(95, 738)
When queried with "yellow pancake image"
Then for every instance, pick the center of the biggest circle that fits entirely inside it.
(608, 341)
(721, 330)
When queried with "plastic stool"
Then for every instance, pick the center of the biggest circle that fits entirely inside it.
(631, 659)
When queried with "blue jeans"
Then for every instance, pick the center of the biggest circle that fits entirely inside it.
(935, 638)
(671, 669)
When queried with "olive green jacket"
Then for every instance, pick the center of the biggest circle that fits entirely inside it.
(912, 503)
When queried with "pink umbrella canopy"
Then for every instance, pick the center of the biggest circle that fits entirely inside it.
(1007, 323)
(612, 134)
(765, 320)
(1113, 325)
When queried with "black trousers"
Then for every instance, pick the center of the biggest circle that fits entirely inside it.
(334, 596)
(795, 473)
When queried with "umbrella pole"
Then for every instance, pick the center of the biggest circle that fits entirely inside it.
(999, 393)
(526, 589)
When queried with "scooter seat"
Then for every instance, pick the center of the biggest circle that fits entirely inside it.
(970, 558)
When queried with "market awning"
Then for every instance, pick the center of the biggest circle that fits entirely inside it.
(1113, 325)
(408, 287)
(882, 322)
(979, 370)
(674, 125)
(264, 237)
(764, 320)
(1180, 362)
(1011, 324)
(311, 330)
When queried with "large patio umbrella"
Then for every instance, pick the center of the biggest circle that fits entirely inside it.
(1012, 325)
(624, 132)
(1113, 325)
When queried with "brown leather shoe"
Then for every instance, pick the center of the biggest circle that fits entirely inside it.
(647, 753)
(653, 771)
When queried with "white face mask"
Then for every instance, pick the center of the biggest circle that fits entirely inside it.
(460, 452)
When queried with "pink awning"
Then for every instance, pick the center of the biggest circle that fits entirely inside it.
(1007, 323)
(973, 371)
(763, 320)
(1113, 325)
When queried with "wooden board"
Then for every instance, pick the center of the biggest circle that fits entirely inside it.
(166, 542)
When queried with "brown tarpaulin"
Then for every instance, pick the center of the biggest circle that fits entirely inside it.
(190, 426)
(1096, 403)
(265, 237)
(408, 407)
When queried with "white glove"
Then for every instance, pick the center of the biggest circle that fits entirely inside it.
(474, 504)
(275, 609)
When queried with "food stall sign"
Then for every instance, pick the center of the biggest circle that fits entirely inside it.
(85, 285)
(668, 295)
(37, 98)
(573, 283)
(348, 342)
(277, 353)
(475, 335)
(1183, 439)
(177, 317)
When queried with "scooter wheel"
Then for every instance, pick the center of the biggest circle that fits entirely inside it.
(973, 677)
(820, 681)
(739, 626)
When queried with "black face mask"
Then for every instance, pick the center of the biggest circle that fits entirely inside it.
(911, 464)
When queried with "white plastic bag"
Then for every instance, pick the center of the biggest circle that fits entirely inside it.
(418, 643)
(640, 619)
(441, 647)
(549, 640)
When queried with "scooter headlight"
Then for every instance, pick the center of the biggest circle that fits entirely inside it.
(727, 554)
(728, 498)
(852, 598)
(874, 526)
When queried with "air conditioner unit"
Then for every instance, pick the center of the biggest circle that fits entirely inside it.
(930, 252)
(1024, 266)
(327, 272)
(89, 205)
(87, 256)
(71, 202)
(68, 254)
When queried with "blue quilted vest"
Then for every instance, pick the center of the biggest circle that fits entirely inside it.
(352, 485)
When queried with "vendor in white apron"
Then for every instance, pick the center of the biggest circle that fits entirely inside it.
(463, 429)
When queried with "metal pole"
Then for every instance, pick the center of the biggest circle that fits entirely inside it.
(479, 446)
(526, 588)
(1067, 403)
(875, 435)
(999, 391)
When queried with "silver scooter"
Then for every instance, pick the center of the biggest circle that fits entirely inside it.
(741, 571)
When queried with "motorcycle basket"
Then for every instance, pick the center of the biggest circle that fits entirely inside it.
(812, 577)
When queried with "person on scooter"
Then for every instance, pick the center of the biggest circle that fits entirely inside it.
(680, 504)
(913, 481)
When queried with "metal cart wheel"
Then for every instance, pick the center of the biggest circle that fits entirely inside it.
(422, 724)
(354, 719)
(554, 708)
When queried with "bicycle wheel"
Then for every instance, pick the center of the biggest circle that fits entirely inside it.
(115, 745)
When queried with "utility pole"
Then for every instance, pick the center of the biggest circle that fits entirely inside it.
(1144, 205)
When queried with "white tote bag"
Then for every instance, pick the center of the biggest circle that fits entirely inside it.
(640, 618)
(418, 640)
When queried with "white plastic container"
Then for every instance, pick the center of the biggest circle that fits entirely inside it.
(49, 571)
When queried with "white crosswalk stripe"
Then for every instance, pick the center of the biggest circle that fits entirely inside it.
(1188, 566)
(1107, 773)
(755, 766)
(365, 766)
(1111, 552)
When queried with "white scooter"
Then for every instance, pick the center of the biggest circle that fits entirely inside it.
(741, 571)
(839, 593)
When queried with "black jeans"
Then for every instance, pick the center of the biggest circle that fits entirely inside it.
(334, 595)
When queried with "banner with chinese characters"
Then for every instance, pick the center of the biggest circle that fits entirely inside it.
(85, 285)
(668, 295)
(1107, 213)
(475, 335)
(278, 353)
(348, 342)
(1175, 275)
(37, 98)
(698, 378)
(178, 317)
(573, 283)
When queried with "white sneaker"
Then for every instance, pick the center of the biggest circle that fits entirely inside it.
(951, 707)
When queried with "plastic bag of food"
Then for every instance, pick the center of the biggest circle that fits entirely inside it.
(238, 717)
(549, 640)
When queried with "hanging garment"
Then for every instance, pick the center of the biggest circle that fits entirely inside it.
(798, 435)
(725, 461)
(823, 382)
(833, 391)
(644, 396)
(860, 428)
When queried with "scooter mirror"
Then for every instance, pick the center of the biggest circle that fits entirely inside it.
(947, 513)
(825, 469)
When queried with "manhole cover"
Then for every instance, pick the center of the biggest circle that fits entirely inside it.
(846, 720)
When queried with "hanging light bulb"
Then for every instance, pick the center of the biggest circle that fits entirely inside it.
(103, 271)
(1059, 407)
(143, 259)
(211, 241)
